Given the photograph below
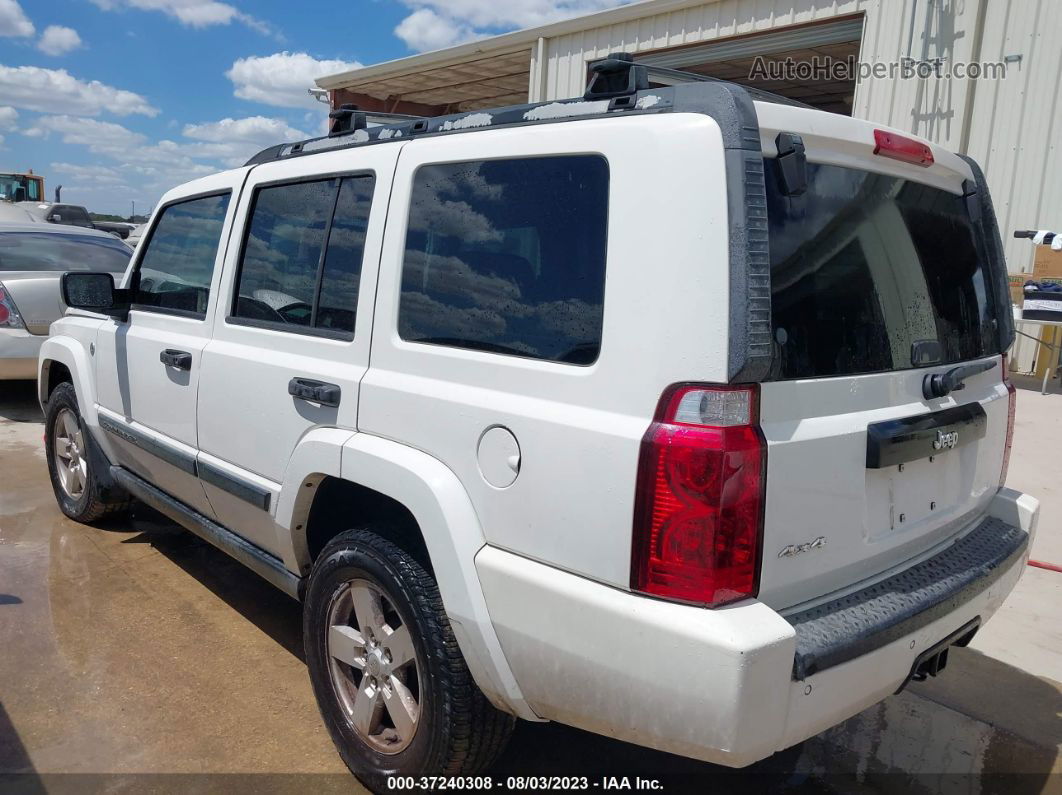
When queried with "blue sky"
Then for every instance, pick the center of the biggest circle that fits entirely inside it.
(120, 100)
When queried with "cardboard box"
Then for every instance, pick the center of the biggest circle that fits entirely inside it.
(1047, 264)
(1016, 281)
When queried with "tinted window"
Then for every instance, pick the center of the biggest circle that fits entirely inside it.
(278, 272)
(49, 251)
(508, 256)
(342, 263)
(176, 267)
(302, 259)
(872, 273)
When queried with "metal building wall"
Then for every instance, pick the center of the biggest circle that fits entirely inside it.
(1009, 126)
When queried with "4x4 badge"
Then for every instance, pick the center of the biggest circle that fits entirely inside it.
(796, 549)
(946, 441)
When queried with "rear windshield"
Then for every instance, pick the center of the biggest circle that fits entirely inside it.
(54, 251)
(871, 273)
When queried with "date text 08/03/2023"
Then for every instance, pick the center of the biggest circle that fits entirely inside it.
(524, 783)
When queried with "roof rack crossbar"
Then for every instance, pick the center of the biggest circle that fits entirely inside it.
(348, 118)
(619, 74)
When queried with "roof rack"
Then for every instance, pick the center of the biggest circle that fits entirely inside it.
(617, 83)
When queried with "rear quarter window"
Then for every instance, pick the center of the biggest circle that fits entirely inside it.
(508, 256)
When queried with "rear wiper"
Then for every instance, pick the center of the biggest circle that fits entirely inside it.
(938, 385)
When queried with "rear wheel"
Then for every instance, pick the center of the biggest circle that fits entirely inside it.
(390, 681)
(68, 449)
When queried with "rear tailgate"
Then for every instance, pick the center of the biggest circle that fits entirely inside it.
(879, 277)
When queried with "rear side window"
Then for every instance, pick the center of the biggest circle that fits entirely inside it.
(178, 262)
(871, 273)
(301, 262)
(52, 251)
(508, 256)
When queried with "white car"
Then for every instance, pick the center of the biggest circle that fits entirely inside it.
(675, 414)
(33, 257)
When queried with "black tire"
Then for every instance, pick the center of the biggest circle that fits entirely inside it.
(459, 732)
(95, 501)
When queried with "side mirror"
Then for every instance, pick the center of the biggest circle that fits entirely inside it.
(95, 292)
(55, 218)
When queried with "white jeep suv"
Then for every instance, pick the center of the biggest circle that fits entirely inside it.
(675, 414)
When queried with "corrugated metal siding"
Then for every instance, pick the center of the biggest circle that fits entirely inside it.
(1010, 129)
(922, 30)
(568, 55)
(1017, 121)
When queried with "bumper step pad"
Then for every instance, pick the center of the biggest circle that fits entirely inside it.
(850, 626)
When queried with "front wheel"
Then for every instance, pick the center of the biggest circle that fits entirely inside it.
(390, 681)
(67, 444)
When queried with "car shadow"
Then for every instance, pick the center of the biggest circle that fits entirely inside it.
(18, 402)
(261, 603)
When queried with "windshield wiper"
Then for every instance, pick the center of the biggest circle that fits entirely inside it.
(938, 385)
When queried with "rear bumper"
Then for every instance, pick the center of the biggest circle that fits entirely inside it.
(18, 354)
(726, 685)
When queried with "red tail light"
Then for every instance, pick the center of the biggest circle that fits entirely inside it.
(1012, 400)
(900, 147)
(698, 513)
(9, 316)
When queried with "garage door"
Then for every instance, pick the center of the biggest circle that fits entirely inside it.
(735, 58)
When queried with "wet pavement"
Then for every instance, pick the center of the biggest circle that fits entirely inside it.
(136, 653)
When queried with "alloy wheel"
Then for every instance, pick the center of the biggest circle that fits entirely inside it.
(373, 665)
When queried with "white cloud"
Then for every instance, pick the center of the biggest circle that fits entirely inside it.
(192, 13)
(8, 118)
(13, 20)
(98, 175)
(232, 141)
(442, 23)
(425, 30)
(253, 129)
(58, 40)
(156, 167)
(282, 79)
(46, 90)
(141, 170)
(105, 135)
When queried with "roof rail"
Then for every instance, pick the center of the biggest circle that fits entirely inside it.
(618, 85)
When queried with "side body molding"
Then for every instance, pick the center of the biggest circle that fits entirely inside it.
(452, 533)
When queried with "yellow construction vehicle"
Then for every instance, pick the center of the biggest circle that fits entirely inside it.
(15, 187)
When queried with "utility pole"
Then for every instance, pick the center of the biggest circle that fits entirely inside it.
(132, 214)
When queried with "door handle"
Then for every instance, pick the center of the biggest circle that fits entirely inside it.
(314, 391)
(182, 360)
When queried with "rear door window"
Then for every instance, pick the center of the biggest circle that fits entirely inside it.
(871, 273)
(508, 256)
(301, 262)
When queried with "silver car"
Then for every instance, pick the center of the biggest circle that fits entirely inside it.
(33, 256)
